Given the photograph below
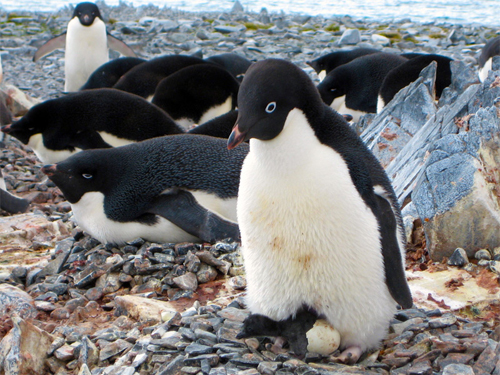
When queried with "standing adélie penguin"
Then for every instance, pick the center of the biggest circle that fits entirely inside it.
(86, 43)
(320, 225)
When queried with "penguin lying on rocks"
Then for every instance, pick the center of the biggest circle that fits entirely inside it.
(326, 63)
(167, 189)
(406, 73)
(99, 118)
(143, 79)
(353, 88)
(320, 223)
(109, 73)
(86, 44)
(197, 94)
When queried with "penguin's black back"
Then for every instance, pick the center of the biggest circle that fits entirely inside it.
(235, 64)
(332, 60)
(406, 73)
(79, 114)
(132, 176)
(360, 80)
(109, 73)
(190, 91)
(143, 79)
(491, 48)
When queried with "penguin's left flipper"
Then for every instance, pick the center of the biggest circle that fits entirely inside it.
(120, 46)
(11, 203)
(181, 208)
(393, 264)
(49, 46)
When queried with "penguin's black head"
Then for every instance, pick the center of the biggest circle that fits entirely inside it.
(318, 65)
(79, 174)
(270, 90)
(32, 123)
(86, 13)
(333, 86)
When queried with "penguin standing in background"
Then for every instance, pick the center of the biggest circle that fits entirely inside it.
(491, 48)
(320, 224)
(86, 42)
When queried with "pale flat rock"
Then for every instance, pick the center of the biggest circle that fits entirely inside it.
(19, 102)
(145, 309)
(425, 283)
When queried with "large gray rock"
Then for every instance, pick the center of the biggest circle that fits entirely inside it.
(351, 37)
(16, 301)
(456, 196)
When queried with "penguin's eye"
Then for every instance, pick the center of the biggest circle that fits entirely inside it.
(88, 176)
(332, 90)
(31, 129)
(271, 107)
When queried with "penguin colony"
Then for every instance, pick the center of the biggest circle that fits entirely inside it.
(320, 225)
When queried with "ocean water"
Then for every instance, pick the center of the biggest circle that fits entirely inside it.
(464, 12)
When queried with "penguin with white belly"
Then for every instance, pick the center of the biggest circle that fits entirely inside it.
(86, 43)
(319, 222)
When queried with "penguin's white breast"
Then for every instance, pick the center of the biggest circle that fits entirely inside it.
(307, 235)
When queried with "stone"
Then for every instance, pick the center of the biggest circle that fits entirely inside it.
(268, 367)
(233, 313)
(350, 36)
(65, 353)
(187, 281)
(458, 258)
(114, 348)
(16, 301)
(482, 254)
(172, 367)
(24, 349)
(381, 39)
(458, 369)
(145, 309)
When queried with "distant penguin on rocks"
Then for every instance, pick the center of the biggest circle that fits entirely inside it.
(109, 73)
(353, 88)
(86, 43)
(491, 48)
(99, 118)
(167, 189)
(406, 73)
(235, 64)
(197, 94)
(326, 63)
(9, 202)
(143, 79)
(5, 114)
(320, 223)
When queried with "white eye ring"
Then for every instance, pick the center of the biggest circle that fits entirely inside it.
(332, 90)
(271, 107)
(87, 175)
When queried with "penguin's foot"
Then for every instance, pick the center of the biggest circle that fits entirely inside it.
(277, 347)
(349, 356)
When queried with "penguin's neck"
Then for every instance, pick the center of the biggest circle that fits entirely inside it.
(293, 148)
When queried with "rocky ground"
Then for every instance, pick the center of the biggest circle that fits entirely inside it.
(69, 305)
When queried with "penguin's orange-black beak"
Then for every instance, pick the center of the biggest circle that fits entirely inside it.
(49, 170)
(235, 138)
(6, 129)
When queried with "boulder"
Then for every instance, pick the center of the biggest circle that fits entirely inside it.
(16, 301)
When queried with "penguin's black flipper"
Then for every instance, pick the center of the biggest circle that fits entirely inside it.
(49, 46)
(11, 203)
(394, 271)
(120, 46)
(87, 139)
(181, 208)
